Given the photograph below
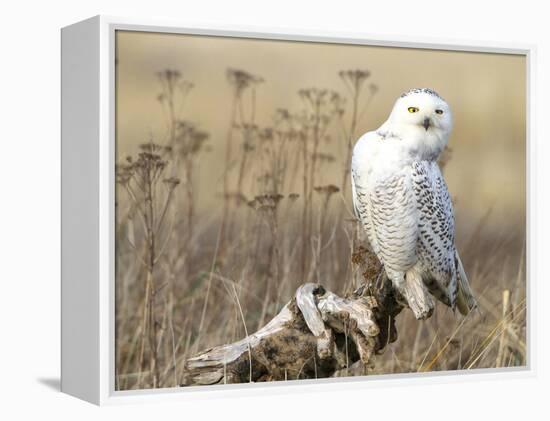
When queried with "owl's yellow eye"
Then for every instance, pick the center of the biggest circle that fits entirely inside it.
(412, 109)
(439, 111)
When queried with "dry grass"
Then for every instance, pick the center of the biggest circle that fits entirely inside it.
(188, 279)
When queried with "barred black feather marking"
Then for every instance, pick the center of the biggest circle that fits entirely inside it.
(435, 248)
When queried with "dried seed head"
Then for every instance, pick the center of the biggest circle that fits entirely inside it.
(248, 146)
(266, 134)
(328, 189)
(124, 172)
(282, 114)
(241, 79)
(189, 140)
(354, 77)
(324, 157)
(169, 75)
(266, 202)
(172, 181)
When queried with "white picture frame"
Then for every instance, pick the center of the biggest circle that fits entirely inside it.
(88, 180)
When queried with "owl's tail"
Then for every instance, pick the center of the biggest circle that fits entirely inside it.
(465, 298)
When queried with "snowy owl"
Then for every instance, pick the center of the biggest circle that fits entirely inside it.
(402, 201)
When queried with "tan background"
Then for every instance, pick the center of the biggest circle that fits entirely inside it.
(486, 93)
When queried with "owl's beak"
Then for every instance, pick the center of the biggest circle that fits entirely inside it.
(426, 123)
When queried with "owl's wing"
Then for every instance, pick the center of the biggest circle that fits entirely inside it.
(387, 210)
(360, 185)
(354, 197)
(436, 249)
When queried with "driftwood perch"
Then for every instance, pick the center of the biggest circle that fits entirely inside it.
(315, 334)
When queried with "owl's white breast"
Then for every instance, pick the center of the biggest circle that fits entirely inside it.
(375, 158)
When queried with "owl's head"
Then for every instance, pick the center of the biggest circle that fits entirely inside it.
(423, 110)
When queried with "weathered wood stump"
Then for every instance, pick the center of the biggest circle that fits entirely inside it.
(313, 336)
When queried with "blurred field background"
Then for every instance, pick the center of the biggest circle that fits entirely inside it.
(233, 190)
